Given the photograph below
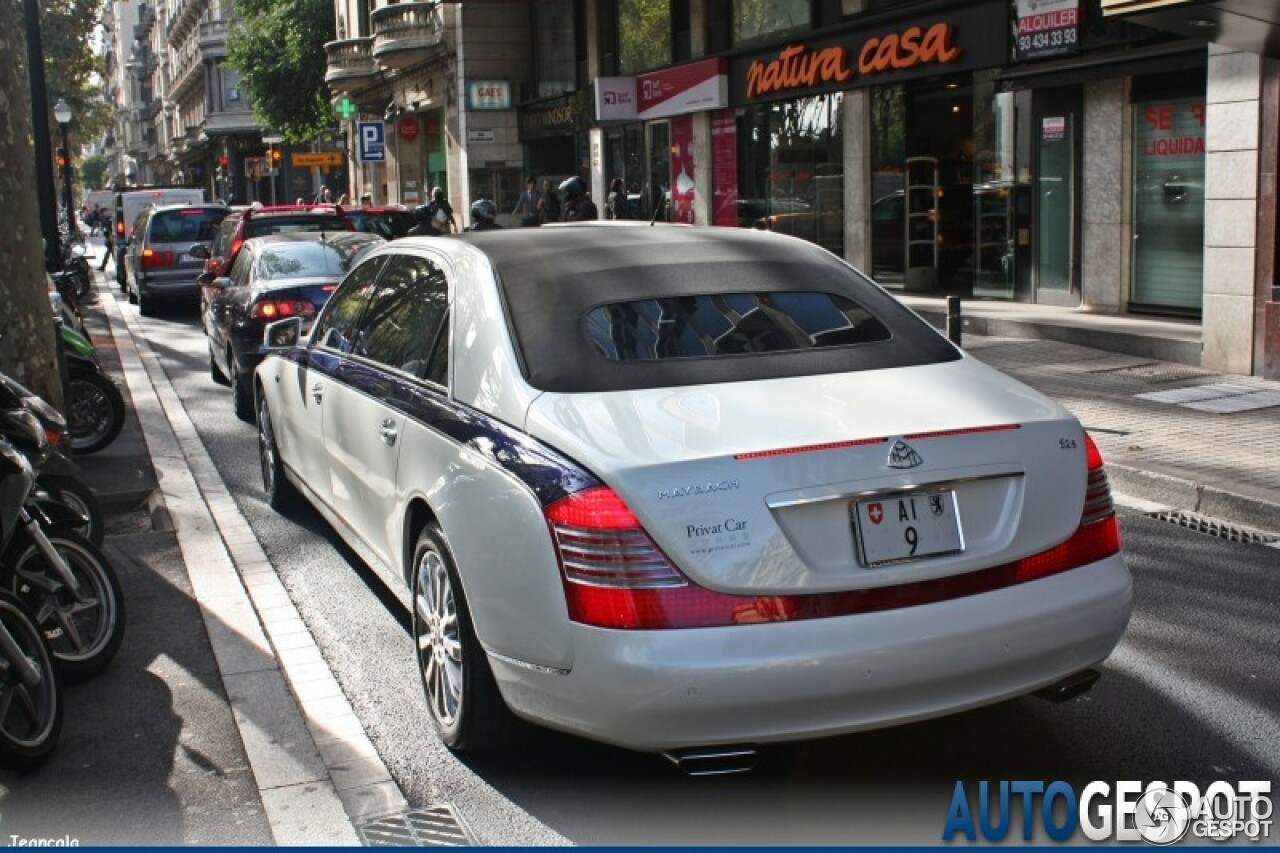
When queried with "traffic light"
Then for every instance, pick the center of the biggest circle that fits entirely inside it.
(275, 155)
(62, 158)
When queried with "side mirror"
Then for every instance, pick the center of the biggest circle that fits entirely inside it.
(199, 250)
(205, 279)
(221, 282)
(282, 334)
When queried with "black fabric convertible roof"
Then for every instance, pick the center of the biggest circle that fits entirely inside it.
(552, 277)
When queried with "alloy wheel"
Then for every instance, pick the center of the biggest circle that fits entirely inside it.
(437, 634)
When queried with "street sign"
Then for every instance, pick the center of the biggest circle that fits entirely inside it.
(323, 159)
(345, 108)
(373, 142)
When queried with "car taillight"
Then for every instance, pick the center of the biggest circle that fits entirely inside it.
(151, 259)
(213, 265)
(277, 309)
(615, 576)
(235, 248)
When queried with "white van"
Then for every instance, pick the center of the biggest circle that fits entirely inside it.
(129, 204)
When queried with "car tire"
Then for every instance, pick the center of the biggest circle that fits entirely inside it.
(280, 493)
(467, 710)
(130, 294)
(241, 392)
(146, 304)
(215, 372)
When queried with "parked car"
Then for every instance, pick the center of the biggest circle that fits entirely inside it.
(247, 223)
(283, 275)
(158, 259)
(740, 495)
(388, 222)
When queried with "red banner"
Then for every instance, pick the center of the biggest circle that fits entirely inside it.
(724, 168)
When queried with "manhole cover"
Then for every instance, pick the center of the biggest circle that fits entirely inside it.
(1213, 527)
(434, 826)
(1162, 372)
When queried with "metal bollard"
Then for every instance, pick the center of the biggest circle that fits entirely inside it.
(955, 322)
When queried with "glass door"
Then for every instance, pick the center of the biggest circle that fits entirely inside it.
(1057, 268)
(658, 189)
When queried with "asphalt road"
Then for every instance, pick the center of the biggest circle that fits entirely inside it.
(1191, 694)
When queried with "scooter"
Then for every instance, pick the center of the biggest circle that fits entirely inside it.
(57, 480)
(30, 693)
(64, 579)
(94, 404)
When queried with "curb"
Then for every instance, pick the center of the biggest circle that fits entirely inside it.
(316, 770)
(1197, 497)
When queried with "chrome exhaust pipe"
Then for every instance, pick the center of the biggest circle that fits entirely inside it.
(1070, 687)
(714, 760)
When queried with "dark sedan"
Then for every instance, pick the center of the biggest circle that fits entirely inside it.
(283, 275)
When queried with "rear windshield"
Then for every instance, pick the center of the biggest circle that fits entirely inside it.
(283, 225)
(190, 225)
(306, 260)
(711, 325)
(594, 309)
(389, 224)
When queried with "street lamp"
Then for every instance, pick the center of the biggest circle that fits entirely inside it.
(62, 114)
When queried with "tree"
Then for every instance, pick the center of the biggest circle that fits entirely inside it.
(93, 172)
(72, 66)
(27, 351)
(278, 48)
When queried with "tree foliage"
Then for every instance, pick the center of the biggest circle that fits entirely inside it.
(278, 48)
(93, 172)
(72, 67)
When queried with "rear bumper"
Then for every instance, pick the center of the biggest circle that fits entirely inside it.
(661, 690)
(169, 287)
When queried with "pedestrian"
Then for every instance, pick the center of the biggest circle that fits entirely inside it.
(325, 196)
(527, 206)
(342, 199)
(578, 206)
(108, 237)
(483, 212)
(442, 212)
(615, 206)
(549, 206)
(366, 199)
(426, 226)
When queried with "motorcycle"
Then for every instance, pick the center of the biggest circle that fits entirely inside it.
(57, 478)
(94, 404)
(64, 579)
(30, 693)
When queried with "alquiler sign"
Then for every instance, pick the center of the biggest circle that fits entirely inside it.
(967, 38)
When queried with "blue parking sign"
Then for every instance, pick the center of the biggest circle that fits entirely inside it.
(373, 143)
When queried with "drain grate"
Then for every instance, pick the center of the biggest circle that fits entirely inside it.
(434, 826)
(1213, 527)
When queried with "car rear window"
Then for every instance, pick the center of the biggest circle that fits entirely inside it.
(281, 225)
(710, 325)
(189, 225)
(389, 224)
(307, 260)
(614, 309)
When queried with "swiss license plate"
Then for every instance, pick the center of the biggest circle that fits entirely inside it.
(896, 528)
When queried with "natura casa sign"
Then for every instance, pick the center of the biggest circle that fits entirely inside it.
(968, 38)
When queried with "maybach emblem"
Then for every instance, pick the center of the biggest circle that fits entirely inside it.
(902, 455)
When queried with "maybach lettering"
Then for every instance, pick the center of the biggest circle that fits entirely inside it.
(798, 67)
(697, 489)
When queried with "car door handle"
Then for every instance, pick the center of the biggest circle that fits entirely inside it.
(317, 393)
(388, 431)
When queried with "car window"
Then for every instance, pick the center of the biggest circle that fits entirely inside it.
(404, 315)
(335, 327)
(239, 274)
(187, 225)
(729, 324)
(297, 260)
(438, 369)
(264, 227)
(223, 238)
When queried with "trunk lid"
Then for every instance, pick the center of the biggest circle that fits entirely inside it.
(753, 487)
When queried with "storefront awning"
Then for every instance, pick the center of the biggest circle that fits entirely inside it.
(1127, 62)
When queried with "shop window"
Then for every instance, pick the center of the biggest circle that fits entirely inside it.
(555, 41)
(1168, 203)
(755, 20)
(644, 35)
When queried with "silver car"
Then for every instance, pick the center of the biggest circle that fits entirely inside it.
(158, 259)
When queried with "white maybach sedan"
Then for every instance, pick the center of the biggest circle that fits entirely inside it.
(689, 490)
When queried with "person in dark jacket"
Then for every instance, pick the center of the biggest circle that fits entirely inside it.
(549, 205)
(615, 206)
(578, 206)
(426, 222)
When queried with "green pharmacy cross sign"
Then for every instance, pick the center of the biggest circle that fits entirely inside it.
(345, 108)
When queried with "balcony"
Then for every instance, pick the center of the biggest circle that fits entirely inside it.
(213, 39)
(146, 20)
(350, 63)
(406, 33)
(230, 123)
